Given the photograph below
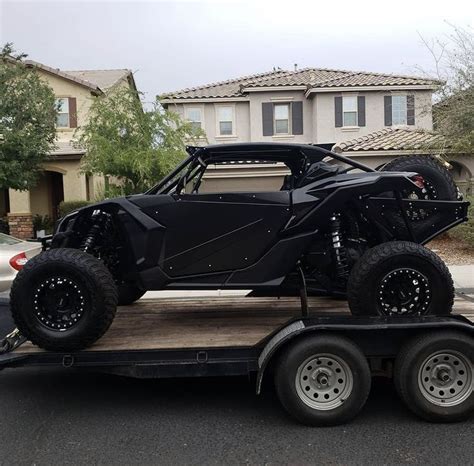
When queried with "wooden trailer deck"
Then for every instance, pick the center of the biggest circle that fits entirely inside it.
(174, 323)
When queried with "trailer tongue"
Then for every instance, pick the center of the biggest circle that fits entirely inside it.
(322, 359)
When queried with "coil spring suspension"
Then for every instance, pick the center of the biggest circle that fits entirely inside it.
(342, 267)
(100, 225)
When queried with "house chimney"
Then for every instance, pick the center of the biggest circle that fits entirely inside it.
(296, 66)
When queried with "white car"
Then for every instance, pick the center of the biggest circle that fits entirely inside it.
(14, 254)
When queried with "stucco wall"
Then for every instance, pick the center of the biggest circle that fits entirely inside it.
(256, 127)
(64, 88)
(323, 110)
(241, 120)
(252, 178)
(318, 116)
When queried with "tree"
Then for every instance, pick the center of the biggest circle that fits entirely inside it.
(453, 113)
(131, 147)
(27, 121)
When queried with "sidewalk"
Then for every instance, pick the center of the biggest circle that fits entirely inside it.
(463, 276)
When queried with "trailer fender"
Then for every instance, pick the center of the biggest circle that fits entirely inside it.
(388, 330)
(274, 343)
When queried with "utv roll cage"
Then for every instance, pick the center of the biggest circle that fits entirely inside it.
(297, 157)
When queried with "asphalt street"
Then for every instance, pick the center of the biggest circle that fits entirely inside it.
(63, 416)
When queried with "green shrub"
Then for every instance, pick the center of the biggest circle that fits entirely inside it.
(68, 206)
(43, 222)
(465, 231)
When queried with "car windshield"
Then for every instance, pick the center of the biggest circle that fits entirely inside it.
(5, 239)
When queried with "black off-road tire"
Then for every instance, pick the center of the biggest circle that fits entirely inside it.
(370, 271)
(352, 364)
(88, 281)
(416, 382)
(128, 293)
(431, 170)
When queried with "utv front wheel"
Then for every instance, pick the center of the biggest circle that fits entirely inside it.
(400, 278)
(63, 300)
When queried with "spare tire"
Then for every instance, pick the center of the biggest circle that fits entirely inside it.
(439, 183)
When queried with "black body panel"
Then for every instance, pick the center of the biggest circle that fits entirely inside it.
(171, 238)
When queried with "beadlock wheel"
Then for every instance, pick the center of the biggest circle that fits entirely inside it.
(404, 291)
(59, 303)
(429, 192)
(324, 381)
(63, 300)
(445, 378)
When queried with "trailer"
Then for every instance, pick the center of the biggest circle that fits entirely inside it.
(320, 357)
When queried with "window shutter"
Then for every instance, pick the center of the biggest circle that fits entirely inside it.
(297, 117)
(410, 109)
(72, 112)
(338, 110)
(388, 110)
(267, 118)
(361, 110)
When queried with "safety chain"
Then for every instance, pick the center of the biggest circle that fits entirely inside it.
(11, 341)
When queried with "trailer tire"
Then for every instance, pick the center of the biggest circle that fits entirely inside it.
(400, 278)
(128, 293)
(440, 183)
(323, 380)
(63, 300)
(419, 370)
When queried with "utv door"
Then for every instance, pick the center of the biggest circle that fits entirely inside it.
(208, 233)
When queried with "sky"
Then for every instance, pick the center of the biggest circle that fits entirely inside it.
(173, 45)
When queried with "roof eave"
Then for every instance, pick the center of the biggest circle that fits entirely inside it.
(275, 88)
(168, 101)
(56, 72)
(397, 87)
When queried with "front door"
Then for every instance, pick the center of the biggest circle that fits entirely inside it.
(209, 233)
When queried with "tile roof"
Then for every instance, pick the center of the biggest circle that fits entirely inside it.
(97, 81)
(104, 79)
(311, 78)
(392, 139)
(229, 88)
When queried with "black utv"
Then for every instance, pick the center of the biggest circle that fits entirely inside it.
(336, 227)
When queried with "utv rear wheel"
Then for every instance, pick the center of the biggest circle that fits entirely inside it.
(400, 278)
(439, 183)
(63, 300)
(128, 294)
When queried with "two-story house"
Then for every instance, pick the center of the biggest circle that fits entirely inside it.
(371, 116)
(62, 178)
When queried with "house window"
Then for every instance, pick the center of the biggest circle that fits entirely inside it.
(225, 120)
(399, 110)
(194, 116)
(349, 109)
(281, 119)
(63, 113)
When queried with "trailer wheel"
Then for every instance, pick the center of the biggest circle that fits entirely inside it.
(128, 293)
(63, 300)
(434, 376)
(323, 380)
(400, 278)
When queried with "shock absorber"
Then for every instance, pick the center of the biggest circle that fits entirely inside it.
(99, 226)
(342, 267)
